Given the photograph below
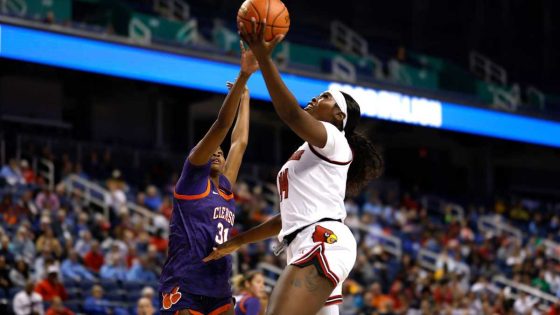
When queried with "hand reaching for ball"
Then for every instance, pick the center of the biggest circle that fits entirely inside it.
(249, 63)
(255, 38)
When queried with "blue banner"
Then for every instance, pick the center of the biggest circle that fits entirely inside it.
(166, 68)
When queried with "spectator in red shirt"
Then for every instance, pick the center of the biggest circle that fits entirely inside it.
(159, 241)
(554, 309)
(94, 259)
(51, 287)
(57, 308)
(27, 172)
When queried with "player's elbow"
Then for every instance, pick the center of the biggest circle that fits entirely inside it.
(240, 143)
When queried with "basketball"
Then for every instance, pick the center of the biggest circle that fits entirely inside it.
(274, 11)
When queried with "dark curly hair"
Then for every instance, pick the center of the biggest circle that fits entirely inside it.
(367, 163)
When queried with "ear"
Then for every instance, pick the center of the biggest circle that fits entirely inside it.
(339, 117)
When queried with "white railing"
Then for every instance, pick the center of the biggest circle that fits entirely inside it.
(544, 299)
(487, 69)
(87, 190)
(97, 195)
(343, 69)
(47, 172)
(390, 244)
(347, 40)
(552, 249)
(497, 225)
(16, 7)
(173, 9)
(429, 260)
(504, 99)
(139, 32)
(188, 33)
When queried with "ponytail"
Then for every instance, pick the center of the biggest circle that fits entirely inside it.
(367, 163)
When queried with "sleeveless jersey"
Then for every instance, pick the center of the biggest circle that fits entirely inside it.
(312, 184)
(202, 218)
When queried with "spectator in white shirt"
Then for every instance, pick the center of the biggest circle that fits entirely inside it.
(28, 302)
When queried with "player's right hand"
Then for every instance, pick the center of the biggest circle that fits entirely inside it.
(255, 39)
(222, 250)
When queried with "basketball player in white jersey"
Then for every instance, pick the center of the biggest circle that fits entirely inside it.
(333, 162)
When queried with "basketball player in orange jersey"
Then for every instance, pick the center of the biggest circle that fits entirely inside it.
(333, 161)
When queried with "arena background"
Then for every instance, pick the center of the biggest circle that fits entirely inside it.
(100, 102)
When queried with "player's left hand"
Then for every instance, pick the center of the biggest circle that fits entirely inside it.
(255, 39)
(249, 63)
(222, 250)
(230, 85)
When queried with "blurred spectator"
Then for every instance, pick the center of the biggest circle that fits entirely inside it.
(26, 202)
(51, 286)
(5, 282)
(95, 304)
(524, 303)
(140, 272)
(23, 244)
(10, 213)
(144, 307)
(116, 198)
(27, 173)
(113, 269)
(20, 275)
(48, 241)
(166, 207)
(5, 249)
(73, 270)
(58, 308)
(160, 241)
(153, 199)
(47, 200)
(150, 294)
(12, 173)
(27, 302)
(94, 259)
(83, 244)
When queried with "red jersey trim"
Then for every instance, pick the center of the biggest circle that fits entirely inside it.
(324, 158)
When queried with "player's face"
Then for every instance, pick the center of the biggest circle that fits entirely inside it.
(256, 286)
(218, 160)
(323, 107)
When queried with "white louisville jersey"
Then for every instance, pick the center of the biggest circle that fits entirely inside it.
(312, 184)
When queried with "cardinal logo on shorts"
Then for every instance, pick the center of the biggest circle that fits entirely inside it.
(171, 298)
(323, 235)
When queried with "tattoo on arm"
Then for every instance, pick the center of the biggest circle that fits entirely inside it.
(296, 283)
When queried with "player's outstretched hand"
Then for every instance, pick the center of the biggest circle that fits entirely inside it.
(249, 63)
(230, 85)
(222, 250)
(255, 39)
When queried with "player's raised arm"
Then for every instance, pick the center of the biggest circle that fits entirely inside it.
(214, 137)
(285, 104)
(239, 138)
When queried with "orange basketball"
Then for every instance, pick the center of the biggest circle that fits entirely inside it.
(274, 11)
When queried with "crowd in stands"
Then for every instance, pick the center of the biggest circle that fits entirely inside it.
(59, 255)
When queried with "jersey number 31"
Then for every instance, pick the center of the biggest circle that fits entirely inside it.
(222, 235)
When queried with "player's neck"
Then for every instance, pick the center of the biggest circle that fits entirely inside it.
(215, 180)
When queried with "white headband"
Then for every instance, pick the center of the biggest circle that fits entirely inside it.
(341, 102)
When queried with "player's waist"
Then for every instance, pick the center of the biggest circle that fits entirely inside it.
(287, 239)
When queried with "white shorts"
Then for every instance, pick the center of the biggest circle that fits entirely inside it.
(331, 247)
